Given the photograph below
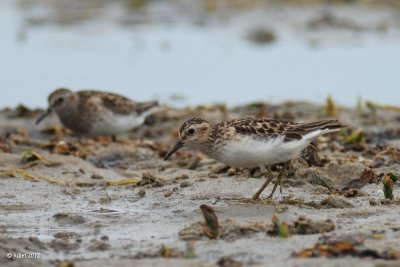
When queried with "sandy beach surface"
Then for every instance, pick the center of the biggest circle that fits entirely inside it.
(70, 201)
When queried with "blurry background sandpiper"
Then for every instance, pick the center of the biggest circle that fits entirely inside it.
(95, 113)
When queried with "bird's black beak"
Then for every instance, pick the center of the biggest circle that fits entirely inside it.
(43, 116)
(177, 146)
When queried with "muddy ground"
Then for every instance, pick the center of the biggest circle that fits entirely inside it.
(75, 201)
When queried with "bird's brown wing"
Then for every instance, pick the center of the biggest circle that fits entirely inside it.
(265, 129)
(117, 103)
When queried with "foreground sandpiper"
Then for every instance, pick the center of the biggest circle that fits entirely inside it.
(94, 113)
(252, 143)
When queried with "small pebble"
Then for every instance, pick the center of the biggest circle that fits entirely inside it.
(96, 176)
(167, 193)
(185, 184)
(373, 202)
(182, 177)
(141, 192)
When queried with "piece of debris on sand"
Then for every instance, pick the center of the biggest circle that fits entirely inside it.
(330, 202)
(149, 179)
(211, 222)
(388, 181)
(68, 218)
(230, 230)
(350, 245)
(302, 226)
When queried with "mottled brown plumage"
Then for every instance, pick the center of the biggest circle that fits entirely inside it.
(251, 142)
(262, 129)
(91, 112)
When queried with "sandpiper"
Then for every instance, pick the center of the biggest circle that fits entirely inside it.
(94, 113)
(252, 143)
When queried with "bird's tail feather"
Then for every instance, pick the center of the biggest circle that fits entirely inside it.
(325, 125)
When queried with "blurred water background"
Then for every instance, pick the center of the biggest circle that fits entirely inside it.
(191, 52)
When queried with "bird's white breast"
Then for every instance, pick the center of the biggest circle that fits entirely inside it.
(116, 124)
(249, 152)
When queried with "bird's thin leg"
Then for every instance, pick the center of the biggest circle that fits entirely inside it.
(279, 179)
(266, 171)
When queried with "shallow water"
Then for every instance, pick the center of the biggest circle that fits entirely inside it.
(187, 63)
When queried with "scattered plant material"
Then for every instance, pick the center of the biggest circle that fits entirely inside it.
(334, 249)
(165, 251)
(281, 228)
(375, 106)
(344, 247)
(211, 219)
(229, 230)
(388, 182)
(127, 181)
(150, 179)
(346, 161)
(393, 176)
(356, 137)
(26, 175)
(29, 156)
(330, 107)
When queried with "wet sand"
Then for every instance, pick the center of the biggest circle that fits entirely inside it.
(89, 202)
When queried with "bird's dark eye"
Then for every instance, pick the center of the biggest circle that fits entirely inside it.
(191, 131)
(60, 100)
